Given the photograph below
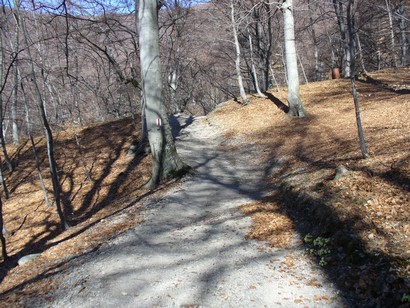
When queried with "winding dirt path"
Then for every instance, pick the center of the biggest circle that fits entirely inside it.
(191, 248)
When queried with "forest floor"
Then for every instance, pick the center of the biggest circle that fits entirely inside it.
(357, 227)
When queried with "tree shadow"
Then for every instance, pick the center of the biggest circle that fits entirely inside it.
(179, 122)
(95, 141)
(368, 79)
(282, 106)
(364, 276)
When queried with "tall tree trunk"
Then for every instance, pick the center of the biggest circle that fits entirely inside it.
(2, 238)
(49, 135)
(2, 141)
(391, 29)
(295, 103)
(255, 75)
(315, 44)
(274, 79)
(338, 5)
(166, 162)
(16, 137)
(33, 145)
(245, 100)
(403, 40)
(359, 46)
(351, 29)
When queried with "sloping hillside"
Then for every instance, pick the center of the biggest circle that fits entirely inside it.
(361, 221)
(97, 209)
(357, 227)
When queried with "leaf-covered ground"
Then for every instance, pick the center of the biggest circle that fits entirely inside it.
(97, 209)
(361, 222)
(358, 227)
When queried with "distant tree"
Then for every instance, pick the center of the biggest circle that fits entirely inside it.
(3, 144)
(403, 26)
(235, 25)
(2, 229)
(341, 21)
(166, 161)
(295, 103)
(14, 116)
(2, 84)
(391, 30)
(43, 116)
(352, 50)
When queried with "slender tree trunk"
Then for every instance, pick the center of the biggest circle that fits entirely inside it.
(245, 100)
(303, 69)
(274, 79)
(166, 162)
(33, 145)
(315, 44)
(403, 40)
(255, 75)
(359, 46)
(49, 135)
(351, 28)
(393, 43)
(2, 238)
(3, 183)
(338, 5)
(172, 82)
(2, 141)
(16, 137)
(295, 103)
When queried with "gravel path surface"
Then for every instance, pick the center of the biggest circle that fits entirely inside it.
(191, 250)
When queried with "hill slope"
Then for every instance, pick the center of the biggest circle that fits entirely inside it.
(365, 216)
(361, 221)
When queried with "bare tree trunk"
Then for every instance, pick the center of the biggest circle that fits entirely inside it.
(351, 29)
(403, 40)
(2, 238)
(359, 46)
(255, 75)
(16, 138)
(33, 145)
(274, 79)
(393, 43)
(295, 103)
(49, 135)
(245, 100)
(315, 45)
(2, 141)
(338, 5)
(166, 162)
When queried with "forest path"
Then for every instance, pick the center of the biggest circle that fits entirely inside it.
(191, 249)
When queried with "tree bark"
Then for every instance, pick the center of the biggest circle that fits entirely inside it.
(245, 100)
(16, 137)
(403, 40)
(391, 29)
(350, 28)
(33, 145)
(295, 103)
(318, 74)
(2, 238)
(166, 163)
(255, 75)
(2, 141)
(338, 6)
(49, 135)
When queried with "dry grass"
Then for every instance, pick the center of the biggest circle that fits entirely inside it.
(366, 214)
